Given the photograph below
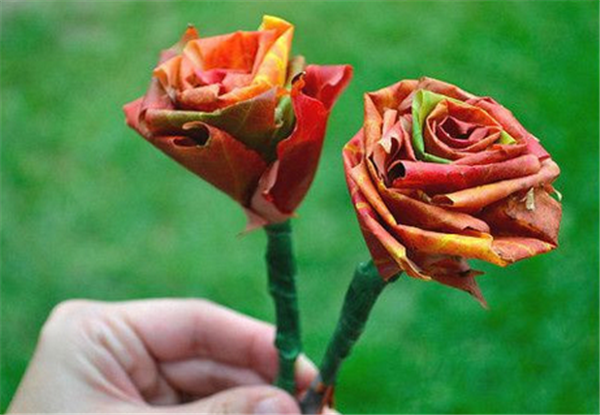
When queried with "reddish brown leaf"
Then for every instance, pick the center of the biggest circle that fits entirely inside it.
(435, 178)
(298, 155)
(475, 199)
(222, 160)
(512, 216)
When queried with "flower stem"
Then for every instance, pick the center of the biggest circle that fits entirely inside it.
(365, 288)
(281, 267)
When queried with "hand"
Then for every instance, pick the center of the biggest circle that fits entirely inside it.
(155, 356)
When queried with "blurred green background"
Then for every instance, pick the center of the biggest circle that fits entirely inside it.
(91, 210)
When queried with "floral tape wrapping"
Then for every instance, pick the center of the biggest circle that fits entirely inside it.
(364, 289)
(281, 267)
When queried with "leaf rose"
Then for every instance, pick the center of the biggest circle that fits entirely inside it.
(438, 175)
(239, 112)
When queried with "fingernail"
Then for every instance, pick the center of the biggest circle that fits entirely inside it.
(270, 405)
(304, 363)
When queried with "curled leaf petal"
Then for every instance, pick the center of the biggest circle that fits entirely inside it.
(298, 155)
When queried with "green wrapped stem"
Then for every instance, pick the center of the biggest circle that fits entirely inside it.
(281, 266)
(365, 288)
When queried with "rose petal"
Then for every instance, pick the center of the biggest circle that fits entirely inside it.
(236, 51)
(395, 145)
(222, 160)
(499, 250)
(413, 212)
(251, 122)
(326, 83)
(394, 207)
(512, 216)
(132, 114)
(476, 246)
(211, 76)
(510, 124)
(443, 88)
(473, 200)
(452, 271)
(384, 247)
(239, 95)
(513, 249)
(263, 55)
(442, 146)
(189, 34)
(423, 103)
(410, 211)
(172, 69)
(460, 134)
(392, 97)
(441, 178)
(465, 282)
(361, 178)
(169, 75)
(376, 103)
(135, 111)
(168, 70)
(272, 69)
(202, 98)
(298, 155)
(495, 154)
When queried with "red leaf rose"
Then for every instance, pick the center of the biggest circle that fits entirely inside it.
(438, 176)
(238, 112)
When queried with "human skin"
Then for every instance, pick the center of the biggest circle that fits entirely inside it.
(155, 356)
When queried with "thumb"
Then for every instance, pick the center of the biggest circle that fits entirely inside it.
(243, 400)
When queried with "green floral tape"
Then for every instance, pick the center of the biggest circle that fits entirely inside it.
(365, 288)
(281, 266)
(360, 298)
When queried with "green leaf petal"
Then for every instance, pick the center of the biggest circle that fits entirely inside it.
(506, 138)
(423, 103)
(252, 122)
(285, 118)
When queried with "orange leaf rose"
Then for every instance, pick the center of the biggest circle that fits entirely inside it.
(242, 114)
(438, 175)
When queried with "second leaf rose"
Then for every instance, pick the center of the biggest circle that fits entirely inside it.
(438, 175)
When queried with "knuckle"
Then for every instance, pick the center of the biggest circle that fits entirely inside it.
(69, 309)
(69, 312)
(70, 306)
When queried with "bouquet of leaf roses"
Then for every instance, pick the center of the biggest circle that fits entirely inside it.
(436, 175)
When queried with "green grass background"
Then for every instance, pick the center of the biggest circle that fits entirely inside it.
(91, 210)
